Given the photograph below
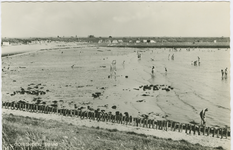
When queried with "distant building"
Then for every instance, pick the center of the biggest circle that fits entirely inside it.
(5, 43)
(152, 41)
(114, 41)
(144, 41)
(107, 41)
(120, 41)
(137, 41)
(215, 41)
(100, 41)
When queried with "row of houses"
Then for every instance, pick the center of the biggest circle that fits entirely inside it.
(129, 41)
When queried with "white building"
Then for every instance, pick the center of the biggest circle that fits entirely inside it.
(120, 41)
(5, 43)
(114, 41)
(152, 41)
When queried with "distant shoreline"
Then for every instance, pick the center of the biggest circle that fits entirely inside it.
(169, 46)
(174, 45)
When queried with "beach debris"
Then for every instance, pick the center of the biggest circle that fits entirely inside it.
(144, 116)
(126, 76)
(21, 67)
(80, 108)
(155, 87)
(96, 94)
(140, 100)
(80, 86)
(30, 90)
(88, 85)
(114, 107)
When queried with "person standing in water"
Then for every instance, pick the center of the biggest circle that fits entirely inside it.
(202, 115)
(152, 71)
(222, 73)
(198, 60)
(226, 73)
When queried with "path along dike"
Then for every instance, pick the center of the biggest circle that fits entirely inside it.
(206, 136)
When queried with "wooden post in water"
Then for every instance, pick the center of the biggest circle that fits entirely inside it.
(190, 128)
(226, 132)
(199, 130)
(194, 129)
(27, 106)
(36, 108)
(221, 133)
(204, 128)
(174, 128)
(208, 131)
(153, 124)
(139, 122)
(186, 128)
(5, 104)
(218, 133)
(182, 127)
(179, 127)
(12, 105)
(213, 131)
(143, 122)
(171, 122)
(157, 124)
(147, 120)
(16, 106)
(163, 125)
(130, 119)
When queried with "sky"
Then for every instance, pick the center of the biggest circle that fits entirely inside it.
(103, 19)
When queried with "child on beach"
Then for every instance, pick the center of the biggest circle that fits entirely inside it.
(202, 115)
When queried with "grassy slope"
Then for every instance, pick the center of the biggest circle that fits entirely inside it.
(17, 129)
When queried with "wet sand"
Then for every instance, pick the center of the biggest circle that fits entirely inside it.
(194, 87)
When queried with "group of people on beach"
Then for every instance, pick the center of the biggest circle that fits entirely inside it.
(224, 73)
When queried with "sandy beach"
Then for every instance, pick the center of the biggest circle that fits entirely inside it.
(194, 87)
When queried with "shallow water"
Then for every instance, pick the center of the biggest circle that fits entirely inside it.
(195, 87)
